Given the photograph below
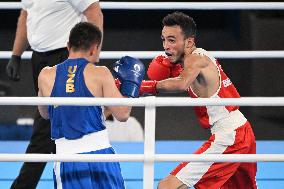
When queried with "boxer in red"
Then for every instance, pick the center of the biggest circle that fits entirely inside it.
(188, 68)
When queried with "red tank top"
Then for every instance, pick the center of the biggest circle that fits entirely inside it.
(208, 115)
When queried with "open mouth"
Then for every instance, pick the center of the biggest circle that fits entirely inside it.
(169, 54)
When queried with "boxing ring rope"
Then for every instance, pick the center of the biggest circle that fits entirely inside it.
(149, 156)
(143, 101)
(176, 5)
(151, 54)
(141, 158)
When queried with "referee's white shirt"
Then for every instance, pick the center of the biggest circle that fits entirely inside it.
(50, 21)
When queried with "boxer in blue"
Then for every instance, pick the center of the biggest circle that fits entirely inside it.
(81, 129)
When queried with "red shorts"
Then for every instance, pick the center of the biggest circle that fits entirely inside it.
(210, 175)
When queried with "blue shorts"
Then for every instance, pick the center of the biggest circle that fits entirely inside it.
(89, 175)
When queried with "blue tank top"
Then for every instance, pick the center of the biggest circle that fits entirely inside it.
(73, 122)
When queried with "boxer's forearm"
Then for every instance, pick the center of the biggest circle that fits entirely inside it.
(43, 110)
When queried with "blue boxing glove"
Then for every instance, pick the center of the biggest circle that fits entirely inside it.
(130, 71)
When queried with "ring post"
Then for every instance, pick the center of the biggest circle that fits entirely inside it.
(149, 142)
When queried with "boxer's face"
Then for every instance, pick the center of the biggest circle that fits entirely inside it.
(173, 43)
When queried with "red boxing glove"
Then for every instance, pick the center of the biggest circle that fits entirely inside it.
(117, 83)
(159, 68)
(148, 88)
(176, 70)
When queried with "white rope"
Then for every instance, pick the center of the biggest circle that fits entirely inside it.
(177, 5)
(142, 158)
(143, 101)
(72, 157)
(152, 54)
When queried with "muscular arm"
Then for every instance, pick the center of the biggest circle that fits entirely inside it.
(100, 82)
(110, 90)
(193, 65)
(94, 15)
(21, 40)
(43, 110)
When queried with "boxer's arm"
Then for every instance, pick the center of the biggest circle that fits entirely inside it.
(192, 67)
(46, 80)
(43, 110)
(110, 90)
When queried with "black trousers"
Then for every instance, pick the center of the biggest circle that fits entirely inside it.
(40, 141)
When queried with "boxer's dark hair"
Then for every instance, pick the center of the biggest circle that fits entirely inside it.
(83, 35)
(185, 22)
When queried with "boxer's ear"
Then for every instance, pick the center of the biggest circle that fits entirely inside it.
(189, 42)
